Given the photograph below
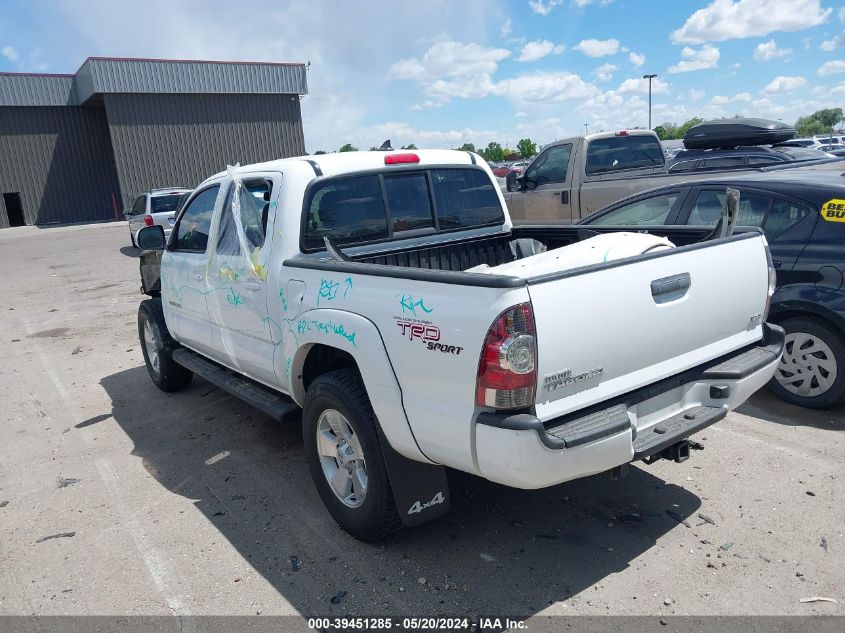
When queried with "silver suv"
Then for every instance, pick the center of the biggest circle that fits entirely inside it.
(155, 207)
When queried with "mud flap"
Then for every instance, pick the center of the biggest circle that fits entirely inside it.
(420, 491)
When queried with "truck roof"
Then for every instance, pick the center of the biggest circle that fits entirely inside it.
(349, 162)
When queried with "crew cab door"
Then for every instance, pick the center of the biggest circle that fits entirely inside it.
(546, 191)
(184, 291)
(237, 277)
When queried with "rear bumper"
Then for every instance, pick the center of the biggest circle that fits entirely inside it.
(521, 451)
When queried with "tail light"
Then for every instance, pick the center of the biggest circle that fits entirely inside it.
(507, 370)
(772, 278)
(399, 159)
(148, 220)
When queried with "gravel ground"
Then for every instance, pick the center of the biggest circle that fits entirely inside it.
(193, 503)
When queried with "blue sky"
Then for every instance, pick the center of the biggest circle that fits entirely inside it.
(439, 73)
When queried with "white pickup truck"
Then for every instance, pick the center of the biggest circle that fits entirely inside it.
(386, 295)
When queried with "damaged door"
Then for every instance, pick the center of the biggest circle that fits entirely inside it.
(238, 277)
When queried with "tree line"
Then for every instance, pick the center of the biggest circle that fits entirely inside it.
(525, 148)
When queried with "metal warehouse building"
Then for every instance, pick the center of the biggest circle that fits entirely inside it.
(77, 148)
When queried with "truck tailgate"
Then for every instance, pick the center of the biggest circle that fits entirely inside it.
(607, 329)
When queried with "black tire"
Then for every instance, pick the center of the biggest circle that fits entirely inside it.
(168, 375)
(342, 390)
(834, 340)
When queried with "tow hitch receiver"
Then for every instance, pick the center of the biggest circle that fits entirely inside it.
(677, 453)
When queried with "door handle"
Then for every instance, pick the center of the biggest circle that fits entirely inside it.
(252, 285)
(199, 276)
(777, 263)
(564, 197)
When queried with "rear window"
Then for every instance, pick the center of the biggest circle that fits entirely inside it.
(355, 210)
(622, 152)
(165, 204)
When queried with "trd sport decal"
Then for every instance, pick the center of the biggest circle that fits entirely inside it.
(834, 210)
(428, 334)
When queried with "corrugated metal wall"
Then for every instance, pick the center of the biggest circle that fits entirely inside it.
(103, 75)
(164, 140)
(60, 160)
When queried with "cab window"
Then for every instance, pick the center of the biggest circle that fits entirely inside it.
(623, 152)
(195, 222)
(648, 212)
(254, 197)
(550, 166)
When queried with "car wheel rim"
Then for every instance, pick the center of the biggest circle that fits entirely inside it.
(807, 367)
(152, 347)
(341, 458)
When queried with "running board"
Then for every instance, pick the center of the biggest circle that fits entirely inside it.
(274, 404)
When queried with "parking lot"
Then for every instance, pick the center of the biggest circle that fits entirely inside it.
(193, 503)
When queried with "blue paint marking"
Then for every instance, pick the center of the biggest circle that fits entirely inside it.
(406, 300)
(329, 289)
(283, 299)
(233, 298)
(326, 327)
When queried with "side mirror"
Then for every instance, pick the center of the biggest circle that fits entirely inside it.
(151, 238)
(510, 181)
(126, 213)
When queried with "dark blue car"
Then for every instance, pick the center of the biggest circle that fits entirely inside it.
(802, 214)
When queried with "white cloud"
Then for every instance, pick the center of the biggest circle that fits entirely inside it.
(766, 51)
(605, 72)
(545, 87)
(598, 48)
(641, 85)
(10, 53)
(841, 14)
(637, 59)
(742, 97)
(782, 84)
(728, 19)
(543, 7)
(533, 51)
(837, 41)
(449, 59)
(705, 57)
(506, 28)
(695, 95)
(831, 68)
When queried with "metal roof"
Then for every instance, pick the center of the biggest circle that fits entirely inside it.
(102, 75)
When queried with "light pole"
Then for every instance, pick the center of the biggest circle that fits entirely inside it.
(649, 77)
(585, 128)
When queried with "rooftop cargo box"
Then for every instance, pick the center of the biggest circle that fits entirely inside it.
(724, 133)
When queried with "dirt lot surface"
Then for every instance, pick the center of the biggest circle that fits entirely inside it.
(193, 503)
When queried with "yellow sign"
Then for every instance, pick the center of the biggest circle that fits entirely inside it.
(834, 211)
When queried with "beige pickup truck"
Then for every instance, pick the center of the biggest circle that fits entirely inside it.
(574, 177)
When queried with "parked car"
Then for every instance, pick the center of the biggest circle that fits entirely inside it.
(835, 149)
(803, 218)
(572, 178)
(800, 152)
(519, 166)
(738, 157)
(501, 170)
(417, 331)
(155, 207)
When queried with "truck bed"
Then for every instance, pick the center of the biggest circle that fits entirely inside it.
(462, 254)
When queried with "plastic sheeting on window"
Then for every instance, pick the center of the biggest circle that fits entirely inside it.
(243, 222)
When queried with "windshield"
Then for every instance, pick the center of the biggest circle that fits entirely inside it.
(165, 204)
